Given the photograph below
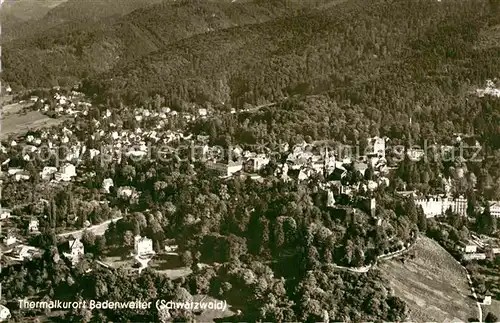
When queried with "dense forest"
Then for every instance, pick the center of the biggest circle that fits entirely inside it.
(77, 45)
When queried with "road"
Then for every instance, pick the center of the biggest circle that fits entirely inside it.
(480, 310)
(97, 229)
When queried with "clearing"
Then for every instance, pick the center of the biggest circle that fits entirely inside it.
(14, 120)
(433, 284)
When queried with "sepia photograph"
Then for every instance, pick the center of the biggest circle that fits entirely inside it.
(250, 161)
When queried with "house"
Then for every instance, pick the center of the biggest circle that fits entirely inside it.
(126, 192)
(4, 213)
(376, 146)
(470, 248)
(4, 313)
(66, 172)
(487, 298)
(143, 246)
(475, 256)
(33, 226)
(202, 112)
(23, 252)
(415, 154)
(10, 240)
(171, 248)
(107, 183)
(495, 208)
(48, 172)
(258, 163)
(76, 250)
(14, 170)
(225, 169)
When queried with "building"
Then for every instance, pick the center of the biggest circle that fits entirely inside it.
(68, 170)
(65, 173)
(376, 146)
(4, 313)
(4, 213)
(471, 248)
(10, 240)
(475, 256)
(48, 172)
(33, 226)
(76, 250)
(23, 176)
(495, 208)
(143, 246)
(107, 183)
(415, 154)
(127, 192)
(226, 169)
(330, 199)
(257, 163)
(23, 252)
(487, 298)
(436, 206)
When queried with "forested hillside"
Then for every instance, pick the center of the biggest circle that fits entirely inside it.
(39, 16)
(382, 45)
(80, 46)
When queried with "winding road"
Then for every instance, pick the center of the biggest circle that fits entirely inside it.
(98, 229)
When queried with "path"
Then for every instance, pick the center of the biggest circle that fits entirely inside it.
(480, 310)
(365, 269)
(98, 229)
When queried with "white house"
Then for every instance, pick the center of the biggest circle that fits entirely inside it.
(376, 146)
(66, 172)
(33, 226)
(126, 192)
(487, 300)
(22, 176)
(226, 169)
(48, 172)
(259, 163)
(23, 252)
(76, 251)
(10, 240)
(107, 183)
(202, 112)
(4, 213)
(470, 248)
(495, 208)
(4, 313)
(143, 246)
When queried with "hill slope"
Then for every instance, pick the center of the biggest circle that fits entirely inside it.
(70, 51)
(347, 45)
(41, 15)
(433, 284)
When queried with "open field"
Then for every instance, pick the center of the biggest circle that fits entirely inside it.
(433, 284)
(14, 120)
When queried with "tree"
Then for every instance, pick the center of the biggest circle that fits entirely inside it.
(486, 222)
(491, 318)
(128, 238)
(88, 238)
(187, 258)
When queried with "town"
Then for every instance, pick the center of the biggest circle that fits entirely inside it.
(64, 161)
